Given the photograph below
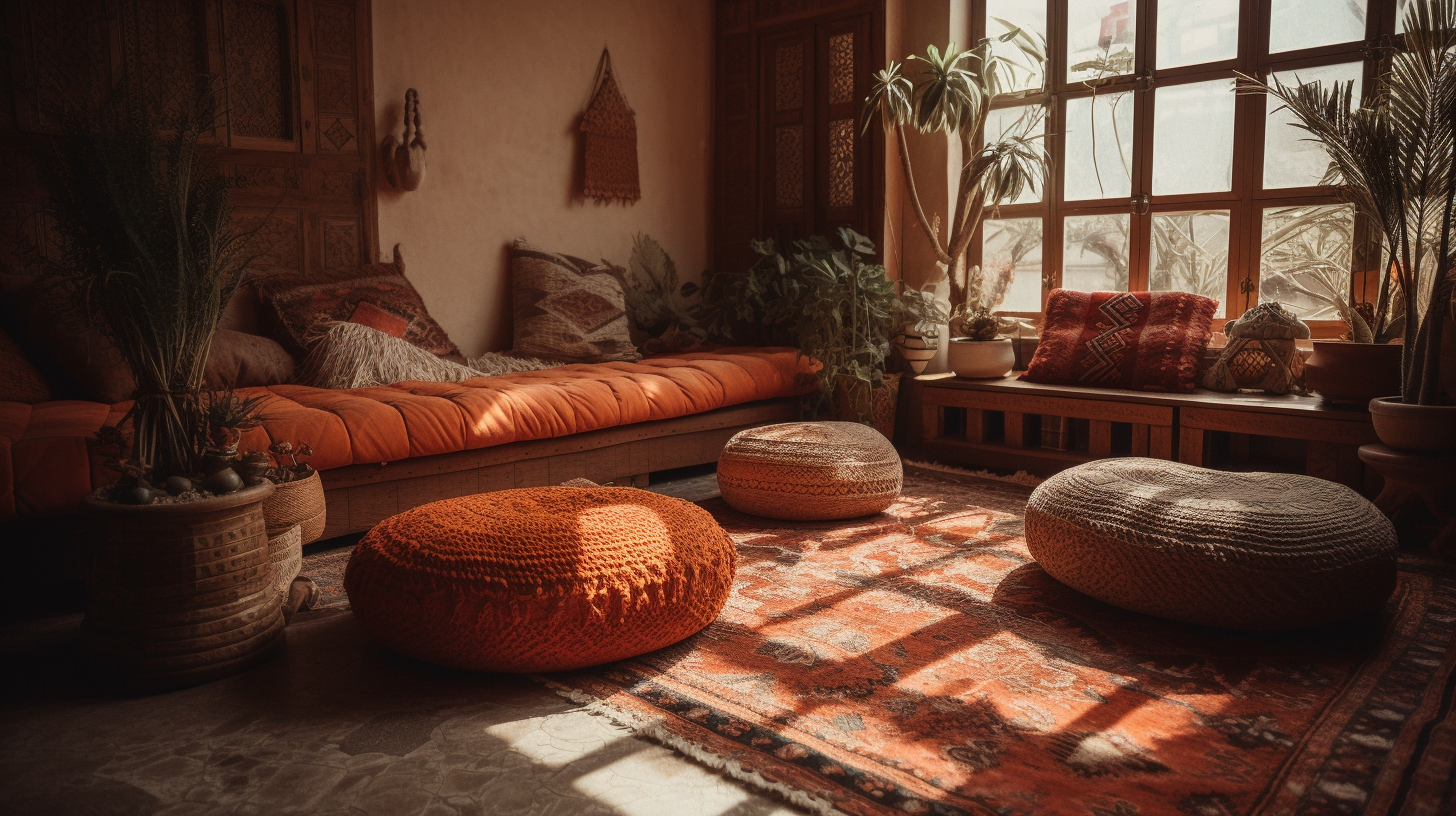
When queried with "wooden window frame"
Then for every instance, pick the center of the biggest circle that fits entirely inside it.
(1245, 201)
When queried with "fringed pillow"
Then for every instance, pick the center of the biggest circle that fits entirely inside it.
(1148, 341)
(352, 355)
(568, 309)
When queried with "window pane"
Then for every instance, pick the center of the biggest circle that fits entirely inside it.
(1031, 19)
(1197, 31)
(1094, 255)
(1026, 121)
(1193, 138)
(1291, 157)
(1305, 258)
(1190, 254)
(1013, 245)
(1100, 37)
(1098, 147)
(1296, 24)
(1401, 8)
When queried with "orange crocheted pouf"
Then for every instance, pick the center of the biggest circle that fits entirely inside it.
(540, 579)
(810, 471)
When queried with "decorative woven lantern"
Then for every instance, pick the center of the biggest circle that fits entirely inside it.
(1261, 352)
(610, 127)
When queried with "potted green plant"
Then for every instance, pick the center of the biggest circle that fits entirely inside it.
(180, 589)
(1397, 157)
(834, 305)
(953, 93)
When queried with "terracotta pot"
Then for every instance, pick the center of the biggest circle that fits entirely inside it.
(917, 350)
(299, 502)
(981, 359)
(180, 594)
(1423, 428)
(1348, 373)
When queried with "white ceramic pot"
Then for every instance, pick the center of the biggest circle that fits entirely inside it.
(981, 359)
(916, 350)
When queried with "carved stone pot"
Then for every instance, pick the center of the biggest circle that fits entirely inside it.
(1347, 373)
(180, 593)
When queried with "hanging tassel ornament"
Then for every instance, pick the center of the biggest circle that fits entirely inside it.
(610, 127)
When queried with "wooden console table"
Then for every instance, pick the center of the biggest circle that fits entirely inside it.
(1008, 423)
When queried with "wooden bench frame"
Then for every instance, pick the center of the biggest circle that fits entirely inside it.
(1000, 415)
(359, 496)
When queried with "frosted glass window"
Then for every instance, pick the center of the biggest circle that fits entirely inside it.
(1031, 19)
(1191, 32)
(1098, 140)
(1296, 24)
(1291, 157)
(1305, 257)
(1401, 8)
(1193, 137)
(1026, 121)
(1190, 253)
(1100, 39)
(1094, 253)
(1012, 247)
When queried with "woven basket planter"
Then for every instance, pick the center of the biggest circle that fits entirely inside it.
(285, 551)
(883, 401)
(298, 503)
(810, 471)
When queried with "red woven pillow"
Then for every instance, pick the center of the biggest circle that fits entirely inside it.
(298, 310)
(1149, 341)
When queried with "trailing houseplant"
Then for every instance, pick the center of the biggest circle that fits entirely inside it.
(147, 243)
(953, 92)
(1397, 158)
(829, 300)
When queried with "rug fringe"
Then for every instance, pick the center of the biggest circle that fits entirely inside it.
(1020, 477)
(653, 728)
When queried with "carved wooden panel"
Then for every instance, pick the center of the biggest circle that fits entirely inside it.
(293, 77)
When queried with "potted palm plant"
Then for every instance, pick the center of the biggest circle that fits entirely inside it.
(952, 92)
(1397, 155)
(180, 585)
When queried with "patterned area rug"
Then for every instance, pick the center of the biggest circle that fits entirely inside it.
(919, 662)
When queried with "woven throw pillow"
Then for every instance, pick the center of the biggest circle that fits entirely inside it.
(568, 309)
(1149, 341)
(301, 310)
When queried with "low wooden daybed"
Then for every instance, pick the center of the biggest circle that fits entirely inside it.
(383, 450)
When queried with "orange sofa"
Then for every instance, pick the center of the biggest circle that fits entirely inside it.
(451, 438)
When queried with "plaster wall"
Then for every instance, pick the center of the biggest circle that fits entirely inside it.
(502, 87)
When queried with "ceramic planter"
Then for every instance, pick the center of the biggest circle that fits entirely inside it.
(917, 350)
(981, 359)
(180, 593)
(1420, 428)
(1347, 373)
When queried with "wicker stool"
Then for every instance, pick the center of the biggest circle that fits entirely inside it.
(810, 471)
(540, 579)
(1240, 550)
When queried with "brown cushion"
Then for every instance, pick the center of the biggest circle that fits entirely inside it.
(568, 309)
(19, 381)
(69, 351)
(242, 360)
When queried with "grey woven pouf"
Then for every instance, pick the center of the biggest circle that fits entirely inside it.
(810, 471)
(1239, 550)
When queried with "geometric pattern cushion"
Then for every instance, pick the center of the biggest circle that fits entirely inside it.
(540, 579)
(568, 309)
(810, 471)
(1149, 341)
(1257, 551)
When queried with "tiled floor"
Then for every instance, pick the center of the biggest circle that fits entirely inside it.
(335, 725)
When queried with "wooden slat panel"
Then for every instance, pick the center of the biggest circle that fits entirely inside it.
(1190, 446)
(1139, 439)
(1351, 428)
(1033, 403)
(1160, 442)
(1099, 438)
(1015, 429)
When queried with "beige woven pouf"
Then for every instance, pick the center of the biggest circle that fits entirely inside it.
(810, 471)
(1240, 550)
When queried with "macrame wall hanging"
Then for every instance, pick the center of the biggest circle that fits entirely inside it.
(610, 129)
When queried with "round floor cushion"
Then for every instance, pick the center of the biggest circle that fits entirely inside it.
(1239, 550)
(540, 579)
(810, 471)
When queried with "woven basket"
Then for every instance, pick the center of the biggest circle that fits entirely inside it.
(810, 471)
(882, 403)
(301, 503)
(285, 552)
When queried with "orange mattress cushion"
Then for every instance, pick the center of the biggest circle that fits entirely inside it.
(540, 579)
(45, 467)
